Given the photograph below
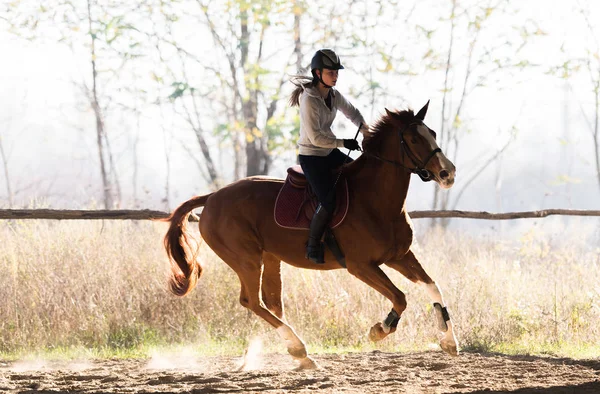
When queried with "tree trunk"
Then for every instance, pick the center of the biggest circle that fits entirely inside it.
(444, 134)
(167, 198)
(237, 153)
(134, 154)
(6, 175)
(297, 37)
(210, 165)
(107, 192)
(254, 154)
(255, 163)
(596, 129)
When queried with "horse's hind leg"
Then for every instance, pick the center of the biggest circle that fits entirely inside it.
(271, 284)
(250, 273)
(410, 267)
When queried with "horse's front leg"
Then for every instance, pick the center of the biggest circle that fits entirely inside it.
(410, 267)
(372, 275)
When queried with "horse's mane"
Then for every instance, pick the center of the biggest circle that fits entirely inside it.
(372, 142)
(384, 125)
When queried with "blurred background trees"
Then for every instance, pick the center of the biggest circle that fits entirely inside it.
(168, 98)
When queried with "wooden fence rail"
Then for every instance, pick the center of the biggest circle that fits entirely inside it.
(146, 214)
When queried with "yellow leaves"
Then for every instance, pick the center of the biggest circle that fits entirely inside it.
(387, 62)
(244, 6)
(457, 122)
(298, 10)
(564, 180)
(272, 121)
(428, 54)
(237, 125)
(567, 69)
(155, 77)
(253, 134)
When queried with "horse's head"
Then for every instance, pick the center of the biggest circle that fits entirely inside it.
(412, 144)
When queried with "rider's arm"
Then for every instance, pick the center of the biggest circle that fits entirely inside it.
(349, 110)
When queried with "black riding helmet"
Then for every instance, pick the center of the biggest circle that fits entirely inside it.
(326, 58)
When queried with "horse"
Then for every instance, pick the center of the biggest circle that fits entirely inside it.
(237, 223)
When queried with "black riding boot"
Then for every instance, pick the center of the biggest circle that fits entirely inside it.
(314, 247)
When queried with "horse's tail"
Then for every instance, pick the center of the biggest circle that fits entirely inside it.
(185, 268)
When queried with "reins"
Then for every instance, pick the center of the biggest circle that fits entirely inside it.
(418, 169)
(346, 159)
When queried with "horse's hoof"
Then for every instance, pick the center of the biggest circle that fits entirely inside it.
(449, 347)
(307, 363)
(376, 333)
(297, 352)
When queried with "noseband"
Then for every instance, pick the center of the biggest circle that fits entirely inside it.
(418, 167)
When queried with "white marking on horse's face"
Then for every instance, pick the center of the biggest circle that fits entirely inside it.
(426, 134)
(439, 166)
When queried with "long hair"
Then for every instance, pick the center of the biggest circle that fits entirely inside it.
(301, 82)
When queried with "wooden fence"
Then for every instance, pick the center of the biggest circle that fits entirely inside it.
(146, 214)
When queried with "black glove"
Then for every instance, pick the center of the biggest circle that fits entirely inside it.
(351, 144)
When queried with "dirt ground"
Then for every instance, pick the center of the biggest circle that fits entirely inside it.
(373, 372)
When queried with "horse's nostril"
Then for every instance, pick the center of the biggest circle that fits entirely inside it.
(444, 174)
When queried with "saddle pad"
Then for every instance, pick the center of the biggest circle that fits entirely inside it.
(294, 207)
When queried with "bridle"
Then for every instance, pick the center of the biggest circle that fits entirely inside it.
(419, 168)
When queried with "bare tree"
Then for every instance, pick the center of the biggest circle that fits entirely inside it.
(245, 63)
(585, 65)
(592, 66)
(7, 126)
(93, 96)
(9, 192)
(106, 34)
(230, 99)
(467, 68)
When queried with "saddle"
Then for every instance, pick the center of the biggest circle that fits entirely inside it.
(296, 202)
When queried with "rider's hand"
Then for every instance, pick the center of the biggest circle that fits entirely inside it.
(351, 144)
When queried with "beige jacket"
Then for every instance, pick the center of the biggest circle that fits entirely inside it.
(316, 137)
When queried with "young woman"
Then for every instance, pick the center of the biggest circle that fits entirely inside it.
(319, 155)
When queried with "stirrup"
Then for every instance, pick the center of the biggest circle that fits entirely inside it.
(316, 254)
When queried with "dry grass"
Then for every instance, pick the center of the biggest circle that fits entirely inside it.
(96, 285)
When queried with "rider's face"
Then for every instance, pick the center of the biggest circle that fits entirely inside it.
(329, 77)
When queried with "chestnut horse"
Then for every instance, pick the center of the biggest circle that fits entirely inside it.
(237, 223)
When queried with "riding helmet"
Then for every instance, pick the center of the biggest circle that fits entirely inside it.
(326, 58)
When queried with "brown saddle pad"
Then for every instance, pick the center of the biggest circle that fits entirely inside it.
(296, 202)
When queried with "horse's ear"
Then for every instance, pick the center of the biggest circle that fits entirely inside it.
(422, 111)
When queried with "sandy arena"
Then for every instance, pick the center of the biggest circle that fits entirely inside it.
(373, 372)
